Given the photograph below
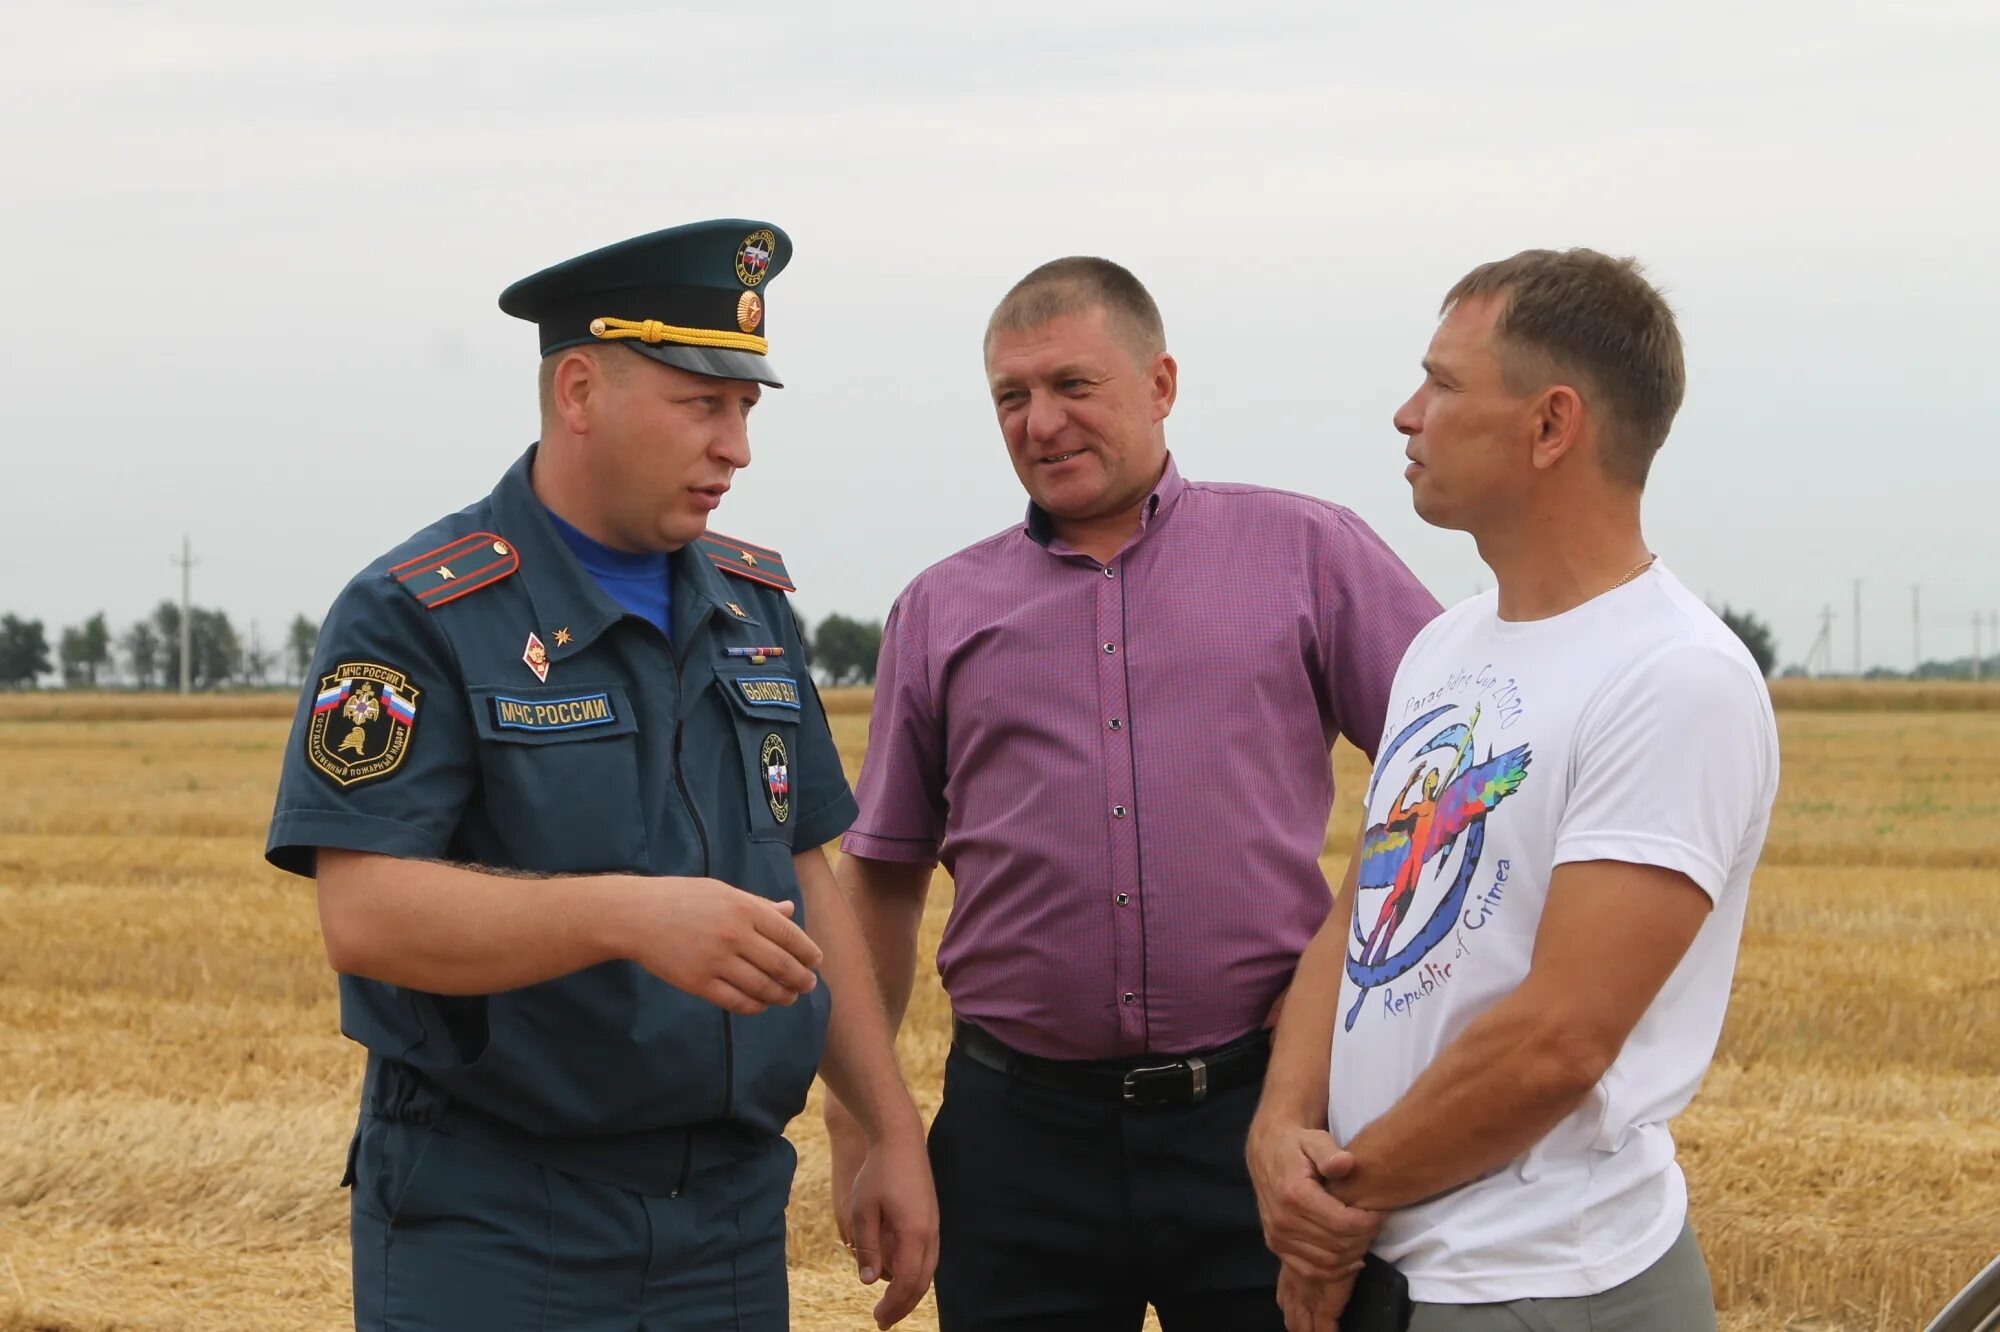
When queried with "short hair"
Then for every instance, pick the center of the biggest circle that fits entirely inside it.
(1076, 285)
(614, 367)
(1579, 313)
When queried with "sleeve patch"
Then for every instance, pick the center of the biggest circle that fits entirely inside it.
(363, 718)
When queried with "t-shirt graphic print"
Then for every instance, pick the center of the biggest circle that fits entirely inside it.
(1422, 859)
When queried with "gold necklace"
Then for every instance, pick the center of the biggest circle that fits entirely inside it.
(1637, 569)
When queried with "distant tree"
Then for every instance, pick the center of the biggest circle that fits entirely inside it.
(215, 656)
(300, 641)
(1756, 636)
(167, 628)
(142, 653)
(24, 652)
(218, 655)
(82, 650)
(69, 655)
(845, 649)
(96, 647)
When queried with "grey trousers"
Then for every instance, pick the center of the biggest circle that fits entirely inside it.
(1673, 1295)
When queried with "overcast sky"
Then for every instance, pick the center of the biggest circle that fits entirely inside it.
(251, 254)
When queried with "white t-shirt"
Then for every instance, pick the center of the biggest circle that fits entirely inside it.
(1633, 728)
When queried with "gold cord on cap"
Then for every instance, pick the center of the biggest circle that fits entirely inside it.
(652, 330)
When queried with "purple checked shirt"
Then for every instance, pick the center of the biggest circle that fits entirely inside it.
(1125, 767)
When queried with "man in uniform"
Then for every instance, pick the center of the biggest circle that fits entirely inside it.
(563, 781)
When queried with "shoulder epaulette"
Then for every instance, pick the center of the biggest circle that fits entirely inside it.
(755, 563)
(455, 570)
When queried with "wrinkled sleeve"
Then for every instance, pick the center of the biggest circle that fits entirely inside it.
(825, 801)
(1675, 766)
(1370, 609)
(902, 778)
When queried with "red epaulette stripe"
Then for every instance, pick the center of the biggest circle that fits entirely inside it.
(445, 553)
(754, 575)
(429, 596)
(460, 584)
(753, 548)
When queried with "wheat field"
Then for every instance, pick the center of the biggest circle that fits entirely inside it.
(176, 1096)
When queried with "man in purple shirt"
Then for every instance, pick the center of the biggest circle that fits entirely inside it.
(1111, 723)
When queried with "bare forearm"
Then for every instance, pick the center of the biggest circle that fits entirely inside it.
(860, 1062)
(1302, 1048)
(1610, 935)
(1491, 1094)
(887, 898)
(449, 929)
(886, 901)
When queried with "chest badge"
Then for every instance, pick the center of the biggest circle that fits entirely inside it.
(757, 655)
(537, 658)
(777, 768)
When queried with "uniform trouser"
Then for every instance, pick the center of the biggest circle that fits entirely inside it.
(450, 1234)
(1063, 1211)
(1673, 1295)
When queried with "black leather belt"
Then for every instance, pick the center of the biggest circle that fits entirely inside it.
(1143, 1080)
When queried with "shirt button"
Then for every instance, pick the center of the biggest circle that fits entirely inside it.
(1118, 811)
(1123, 899)
(1110, 647)
(1130, 998)
(1117, 723)
(1110, 572)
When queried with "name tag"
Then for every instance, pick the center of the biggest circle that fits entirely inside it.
(553, 714)
(771, 691)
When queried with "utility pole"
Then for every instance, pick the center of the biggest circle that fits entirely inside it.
(1975, 647)
(1820, 659)
(1857, 626)
(186, 562)
(1916, 634)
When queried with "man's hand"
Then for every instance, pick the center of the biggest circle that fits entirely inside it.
(1309, 1229)
(894, 1221)
(735, 949)
(1310, 1305)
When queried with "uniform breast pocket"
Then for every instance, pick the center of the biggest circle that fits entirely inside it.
(561, 777)
(765, 710)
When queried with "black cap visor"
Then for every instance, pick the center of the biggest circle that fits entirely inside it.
(721, 362)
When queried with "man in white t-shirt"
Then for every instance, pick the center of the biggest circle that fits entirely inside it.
(1524, 974)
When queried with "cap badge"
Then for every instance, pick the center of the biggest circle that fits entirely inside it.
(749, 311)
(753, 256)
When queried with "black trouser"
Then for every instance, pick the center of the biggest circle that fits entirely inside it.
(1069, 1210)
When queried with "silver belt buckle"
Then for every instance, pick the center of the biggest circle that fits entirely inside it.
(1196, 1066)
